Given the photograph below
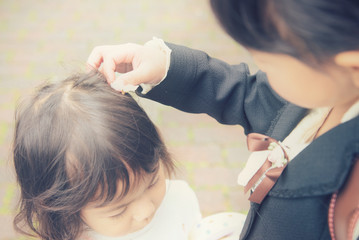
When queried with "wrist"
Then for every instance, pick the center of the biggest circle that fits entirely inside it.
(160, 45)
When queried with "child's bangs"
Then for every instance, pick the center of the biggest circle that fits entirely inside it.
(95, 182)
(102, 180)
(127, 182)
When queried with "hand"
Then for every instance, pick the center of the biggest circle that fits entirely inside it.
(138, 64)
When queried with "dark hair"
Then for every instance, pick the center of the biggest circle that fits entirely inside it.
(72, 139)
(309, 30)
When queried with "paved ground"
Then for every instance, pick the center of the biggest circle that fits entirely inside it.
(42, 39)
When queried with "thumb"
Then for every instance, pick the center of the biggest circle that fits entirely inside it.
(124, 82)
(135, 77)
(120, 86)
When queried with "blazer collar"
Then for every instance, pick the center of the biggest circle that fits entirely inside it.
(287, 119)
(322, 167)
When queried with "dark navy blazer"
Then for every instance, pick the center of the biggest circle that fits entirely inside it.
(297, 206)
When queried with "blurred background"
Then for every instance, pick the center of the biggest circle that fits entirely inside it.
(46, 39)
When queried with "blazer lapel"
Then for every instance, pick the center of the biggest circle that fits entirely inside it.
(322, 167)
(287, 120)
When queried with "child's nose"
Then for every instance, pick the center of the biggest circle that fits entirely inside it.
(144, 210)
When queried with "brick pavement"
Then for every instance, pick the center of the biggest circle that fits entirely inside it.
(50, 39)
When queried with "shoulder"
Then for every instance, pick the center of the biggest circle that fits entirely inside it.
(180, 189)
(181, 196)
(180, 203)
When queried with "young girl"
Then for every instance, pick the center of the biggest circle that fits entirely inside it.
(304, 134)
(91, 165)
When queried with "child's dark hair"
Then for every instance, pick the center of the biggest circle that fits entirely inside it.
(310, 30)
(74, 139)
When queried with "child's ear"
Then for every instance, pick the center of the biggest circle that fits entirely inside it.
(350, 61)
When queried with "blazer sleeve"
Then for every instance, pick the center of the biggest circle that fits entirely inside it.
(197, 83)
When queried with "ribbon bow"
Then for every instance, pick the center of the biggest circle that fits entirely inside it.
(267, 175)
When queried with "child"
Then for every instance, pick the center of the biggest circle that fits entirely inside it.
(309, 53)
(91, 165)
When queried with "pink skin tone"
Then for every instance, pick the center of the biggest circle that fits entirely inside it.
(335, 86)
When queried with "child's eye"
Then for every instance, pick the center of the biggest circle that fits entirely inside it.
(119, 215)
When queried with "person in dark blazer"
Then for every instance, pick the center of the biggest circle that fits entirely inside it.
(305, 99)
